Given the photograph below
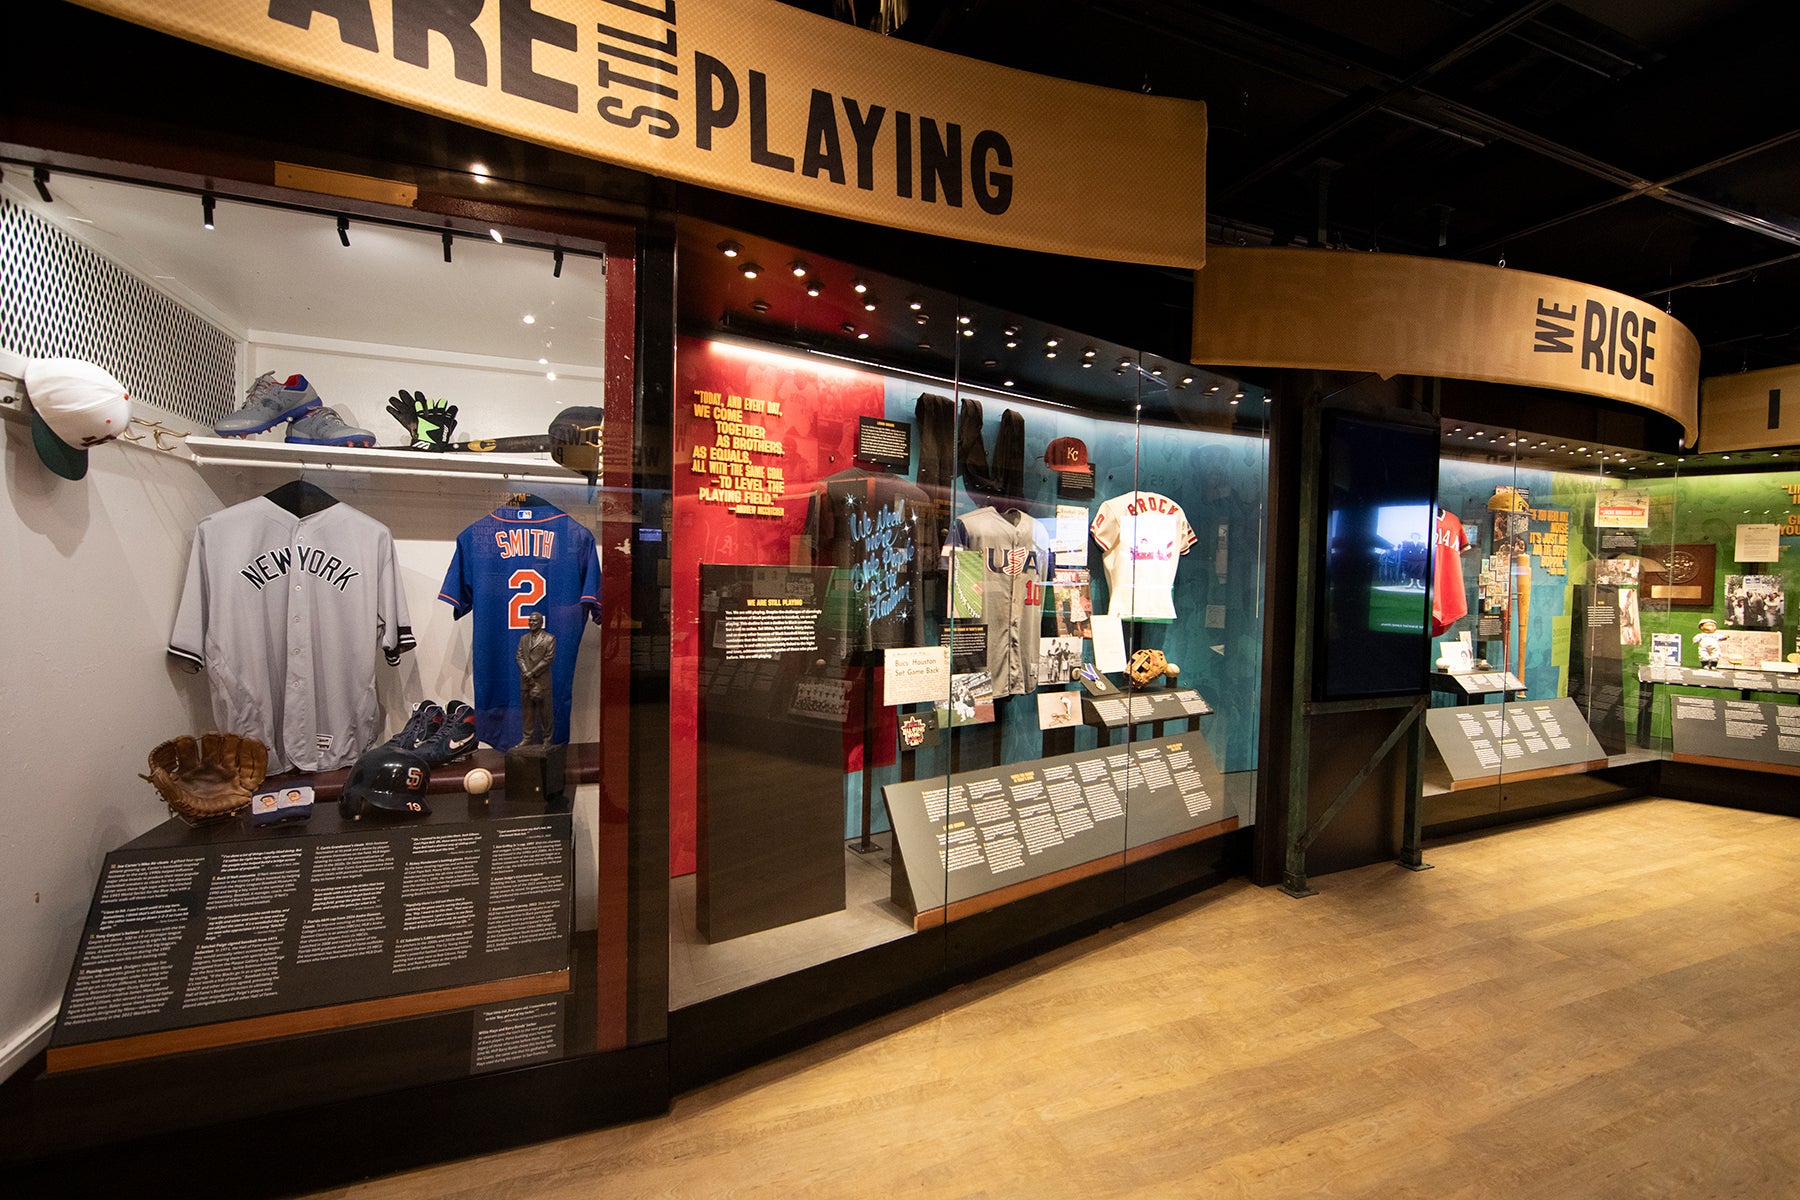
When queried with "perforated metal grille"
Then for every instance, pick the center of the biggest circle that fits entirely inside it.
(60, 298)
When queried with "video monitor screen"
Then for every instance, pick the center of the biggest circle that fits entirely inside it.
(1375, 581)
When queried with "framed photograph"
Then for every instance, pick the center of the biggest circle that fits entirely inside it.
(1755, 602)
(1682, 575)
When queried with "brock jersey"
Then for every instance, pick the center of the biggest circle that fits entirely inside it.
(1449, 599)
(1143, 535)
(286, 614)
(1016, 566)
(510, 564)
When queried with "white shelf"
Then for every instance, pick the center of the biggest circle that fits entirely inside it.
(283, 456)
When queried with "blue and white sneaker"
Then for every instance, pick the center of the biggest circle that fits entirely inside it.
(268, 404)
(454, 739)
(427, 718)
(323, 427)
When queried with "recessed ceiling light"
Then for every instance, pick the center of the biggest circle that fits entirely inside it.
(730, 249)
(861, 285)
(751, 270)
(495, 234)
(813, 287)
(915, 304)
(869, 303)
(964, 319)
(542, 362)
(863, 336)
(799, 268)
(529, 319)
(968, 333)
(847, 327)
(479, 170)
(550, 375)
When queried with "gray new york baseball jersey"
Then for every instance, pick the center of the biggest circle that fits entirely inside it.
(286, 614)
(1015, 556)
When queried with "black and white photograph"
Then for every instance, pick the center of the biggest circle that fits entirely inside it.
(1755, 602)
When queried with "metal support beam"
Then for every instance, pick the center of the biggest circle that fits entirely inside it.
(1406, 725)
(1299, 764)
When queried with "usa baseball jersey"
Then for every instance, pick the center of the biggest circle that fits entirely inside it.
(286, 613)
(510, 564)
(1449, 599)
(1016, 564)
(1143, 536)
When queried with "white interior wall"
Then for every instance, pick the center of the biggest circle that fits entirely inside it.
(93, 572)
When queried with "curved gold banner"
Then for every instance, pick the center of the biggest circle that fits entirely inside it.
(1396, 314)
(761, 99)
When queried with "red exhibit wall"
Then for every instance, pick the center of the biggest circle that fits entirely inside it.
(810, 409)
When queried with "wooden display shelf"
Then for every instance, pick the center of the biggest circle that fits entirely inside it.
(1503, 776)
(1737, 764)
(309, 1020)
(583, 767)
(931, 918)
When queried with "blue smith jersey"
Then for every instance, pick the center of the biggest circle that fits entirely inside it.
(510, 564)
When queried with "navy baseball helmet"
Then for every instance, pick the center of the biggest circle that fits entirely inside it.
(387, 780)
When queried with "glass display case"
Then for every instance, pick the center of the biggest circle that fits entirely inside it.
(965, 616)
(1593, 602)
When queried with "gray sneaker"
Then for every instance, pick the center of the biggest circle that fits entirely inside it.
(268, 404)
(323, 427)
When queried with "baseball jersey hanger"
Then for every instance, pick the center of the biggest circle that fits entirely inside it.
(301, 498)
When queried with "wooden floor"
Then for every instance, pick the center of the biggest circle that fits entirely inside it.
(1600, 1005)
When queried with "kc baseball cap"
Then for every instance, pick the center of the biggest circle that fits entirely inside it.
(1066, 454)
(75, 405)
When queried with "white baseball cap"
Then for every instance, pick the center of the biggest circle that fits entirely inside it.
(75, 405)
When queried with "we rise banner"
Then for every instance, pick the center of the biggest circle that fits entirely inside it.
(764, 100)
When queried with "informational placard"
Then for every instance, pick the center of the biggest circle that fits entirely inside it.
(884, 443)
(1478, 743)
(1109, 642)
(1135, 708)
(1758, 543)
(1487, 683)
(186, 932)
(1069, 537)
(1755, 734)
(982, 831)
(1622, 510)
(915, 675)
(513, 1034)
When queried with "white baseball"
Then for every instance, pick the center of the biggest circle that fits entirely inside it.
(478, 781)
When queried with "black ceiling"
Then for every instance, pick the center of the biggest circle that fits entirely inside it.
(1649, 146)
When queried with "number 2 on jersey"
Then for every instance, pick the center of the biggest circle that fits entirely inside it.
(527, 588)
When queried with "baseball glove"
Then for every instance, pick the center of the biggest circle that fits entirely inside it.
(202, 779)
(1147, 665)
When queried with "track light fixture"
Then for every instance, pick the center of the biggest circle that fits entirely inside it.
(446, 247)
(344, 230)
(206, 210)
(556, 257)
(41, 178)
